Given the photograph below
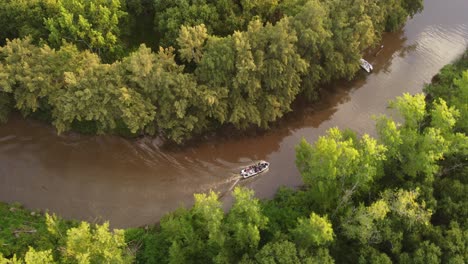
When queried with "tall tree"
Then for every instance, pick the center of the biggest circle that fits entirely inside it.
(455, 77)
(397, 12)
(31, 257)
(415, 145)
(34, 75)
(263, 9)
(365, 223)
(71, 86)
(278, 69)
(19, 19)
(191, 41)
(82, 244)
(352, 31)
(338, 166)
(95, 245)
(183, 107)
(285, 252)
(98, 94)
(93, 25)
(243, 224)
(427, 253)
(260, 68)
(171, 15)
(310, 24)
(313, 232)
(195, 235)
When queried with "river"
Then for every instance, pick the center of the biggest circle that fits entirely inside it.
(135, 182)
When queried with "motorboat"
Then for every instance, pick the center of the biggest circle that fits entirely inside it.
(254, 169)
(365, 65)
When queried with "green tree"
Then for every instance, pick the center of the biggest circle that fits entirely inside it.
(243, 224)
(264, 9)
(19, 19)
(460, 98)
(451, 85)
(285, 252)
(191, 41)
(413, 6)
(176, 232)
(31, 257)
(370, 255)
(183, 108)
(273, 81)
(221, 18)
(352, 31)
(172, 15)
(397, 12)
(313, 232)
(310, 24)
(81, 244)
(404, 204)
(39, 257)
(396, 15)
(417, 146)
(71, 86)
(92, 244)
(35, 75)
(451, 193)
(367, 224)
(337, 166)
(97, 94)
(92, 25)
(208, 217)
(216, 71)
(427, 253)
(283, 211)
(362, 223)
(194, 236)
(454, 245)
(260, 68)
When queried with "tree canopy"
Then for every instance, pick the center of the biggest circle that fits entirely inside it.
(234, 63)
(92, 25)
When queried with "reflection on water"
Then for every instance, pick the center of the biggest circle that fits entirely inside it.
(135, 182)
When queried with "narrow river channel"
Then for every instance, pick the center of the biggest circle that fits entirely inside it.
(133, 183)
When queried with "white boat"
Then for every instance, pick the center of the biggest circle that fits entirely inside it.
(254, 169)
(365, 65)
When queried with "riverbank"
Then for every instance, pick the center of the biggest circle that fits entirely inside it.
(38, 237)
(245, 79)
(421, 200)
(21, 228)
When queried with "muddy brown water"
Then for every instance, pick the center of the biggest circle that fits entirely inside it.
(133, 183)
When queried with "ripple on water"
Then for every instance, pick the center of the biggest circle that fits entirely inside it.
(437, 43)
(7, 138)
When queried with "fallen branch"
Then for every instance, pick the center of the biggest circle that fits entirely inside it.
(18, 232)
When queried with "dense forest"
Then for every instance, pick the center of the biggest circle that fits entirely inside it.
(180, 68)
(398, 198)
